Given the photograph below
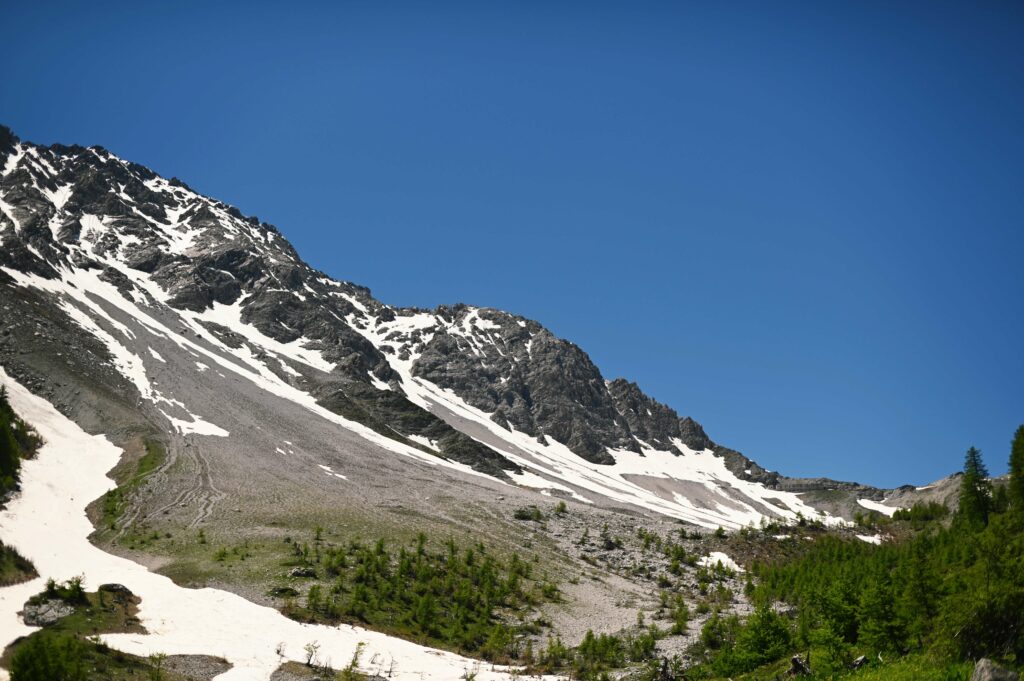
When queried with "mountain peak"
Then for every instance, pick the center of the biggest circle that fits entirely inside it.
(111, 247)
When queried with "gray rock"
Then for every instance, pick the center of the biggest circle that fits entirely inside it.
(118, 592)
(987, 670)
(46, 613)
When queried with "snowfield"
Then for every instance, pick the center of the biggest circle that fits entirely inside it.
(875, 506)
(48, 525)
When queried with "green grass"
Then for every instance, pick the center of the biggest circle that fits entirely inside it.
(919, 667)
(116, 500)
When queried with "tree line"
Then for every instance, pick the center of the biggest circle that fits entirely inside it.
(18, 441)
(954, 590)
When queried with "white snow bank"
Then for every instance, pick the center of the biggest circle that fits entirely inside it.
(46, 522)
(875, 506)
(871, 539)
(421, 440)
(716, 557)
(196, 425)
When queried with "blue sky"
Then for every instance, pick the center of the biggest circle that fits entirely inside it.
(800, 223)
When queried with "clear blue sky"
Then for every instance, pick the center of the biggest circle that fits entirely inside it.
(800, 223)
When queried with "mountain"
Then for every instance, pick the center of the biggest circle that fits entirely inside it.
(137, 305)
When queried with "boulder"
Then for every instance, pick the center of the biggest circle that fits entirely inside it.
(46, 613)
(797, 667)
(987, 670)
(119, 589)
(119, 593)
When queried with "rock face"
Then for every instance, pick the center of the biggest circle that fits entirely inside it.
(46, 613)
(205, 254)
(75, 207)
(82, 228)
(987, 670)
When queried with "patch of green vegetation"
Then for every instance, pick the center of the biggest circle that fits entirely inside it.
(913, 667)
(465, 599)
(599, 654)
(947, 593)
(69, 650)
(921, 512)
(116, 500)
(528, 513)
(14, 568)
(18, 441)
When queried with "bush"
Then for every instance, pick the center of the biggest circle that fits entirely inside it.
(49, 658)
(922, 512)
(528, 513)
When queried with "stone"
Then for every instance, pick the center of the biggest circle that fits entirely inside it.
(987, 670)
(46, 613)
(797, 667)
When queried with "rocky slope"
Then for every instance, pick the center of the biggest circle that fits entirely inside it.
(137, 305)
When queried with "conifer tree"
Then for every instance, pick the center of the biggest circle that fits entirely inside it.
(975, 490)
(1017, 471)
(9, 450)
(881, 627)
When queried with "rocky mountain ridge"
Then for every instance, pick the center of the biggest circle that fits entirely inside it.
(482, 388)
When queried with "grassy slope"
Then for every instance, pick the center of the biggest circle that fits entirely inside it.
(14, 568)
(911, 668)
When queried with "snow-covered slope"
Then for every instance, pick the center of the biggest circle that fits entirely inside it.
(674, 480)
(48, 524)
(133, 301)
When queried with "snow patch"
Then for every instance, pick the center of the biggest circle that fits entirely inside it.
(197, 426)
(875, 506)
(716, 557)
(871, 539)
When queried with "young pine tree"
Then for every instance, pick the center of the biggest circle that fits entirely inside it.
(1016, 491)
(881, 627)
(975, 490)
